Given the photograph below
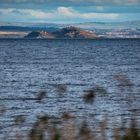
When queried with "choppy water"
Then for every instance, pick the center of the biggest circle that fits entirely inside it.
(28, 66)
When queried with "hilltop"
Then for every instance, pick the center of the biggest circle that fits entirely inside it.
(39, 34)
(64, 33)
(127, 29)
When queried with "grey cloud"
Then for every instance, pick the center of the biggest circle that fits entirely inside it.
(73, 2)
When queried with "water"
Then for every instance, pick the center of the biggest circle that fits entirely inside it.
(29, 66)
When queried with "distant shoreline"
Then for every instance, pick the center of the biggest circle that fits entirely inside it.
(68, 39)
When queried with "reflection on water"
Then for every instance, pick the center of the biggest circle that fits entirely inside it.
(90, 79)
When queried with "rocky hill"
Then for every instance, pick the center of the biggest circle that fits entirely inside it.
(65, 33)
(73, 33)
(39, 34)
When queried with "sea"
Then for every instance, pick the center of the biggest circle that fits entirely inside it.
(66, 70)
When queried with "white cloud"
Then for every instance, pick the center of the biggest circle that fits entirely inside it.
(60, 13)
(70, 12)
(110, 16)
(65, 11)
(25, 13)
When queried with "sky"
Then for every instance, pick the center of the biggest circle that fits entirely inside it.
(69, 11)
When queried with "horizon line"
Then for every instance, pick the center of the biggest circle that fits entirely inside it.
(69, 22)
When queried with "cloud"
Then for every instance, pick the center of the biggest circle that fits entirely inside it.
(102, 2)
(73, 2)
(65, 11)
(70, 12)
(61, 13)
(100, 8)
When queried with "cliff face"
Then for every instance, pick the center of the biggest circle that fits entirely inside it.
(66, 33)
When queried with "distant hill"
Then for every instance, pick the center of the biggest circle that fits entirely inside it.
(127, 29)
(6, 26)
(73, 33)
(27, 28)
(39, 34)
(109, 25)
(64, 33)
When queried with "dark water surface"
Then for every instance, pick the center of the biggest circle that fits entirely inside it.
(28, 66)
